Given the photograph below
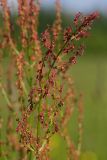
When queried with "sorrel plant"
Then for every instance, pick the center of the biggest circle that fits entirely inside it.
(42, 97)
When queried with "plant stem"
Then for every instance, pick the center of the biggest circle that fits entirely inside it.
(5, 95)
(14, 48)
(38, 125)
(60, 51)
(30, 155)
(24, 88)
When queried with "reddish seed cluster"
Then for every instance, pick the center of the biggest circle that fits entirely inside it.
(7, 29)
(22, 21)
(24, 129)
(33, 18)
(33, 25)
(46, 39)
(78, 52)
(56, 29)
(69, 48)
(76, 19)
(67, 34)
(85, 25)
(20, 65)
(89, 19)
(31, 99)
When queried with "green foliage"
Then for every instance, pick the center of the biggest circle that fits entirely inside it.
(88, 156)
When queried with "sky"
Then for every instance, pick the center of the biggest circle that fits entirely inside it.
(80, 5)
(74, 5)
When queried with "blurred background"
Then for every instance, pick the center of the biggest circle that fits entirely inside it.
(89, 74)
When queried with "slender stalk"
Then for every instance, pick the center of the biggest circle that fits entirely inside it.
(30, 155)
(38, 126)
(5, 95)
(24, 88)
(14, 48)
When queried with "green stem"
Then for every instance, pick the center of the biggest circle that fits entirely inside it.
(14, 48)
(5, 95)
(38, 124)
(24, 88)
(30, 155)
